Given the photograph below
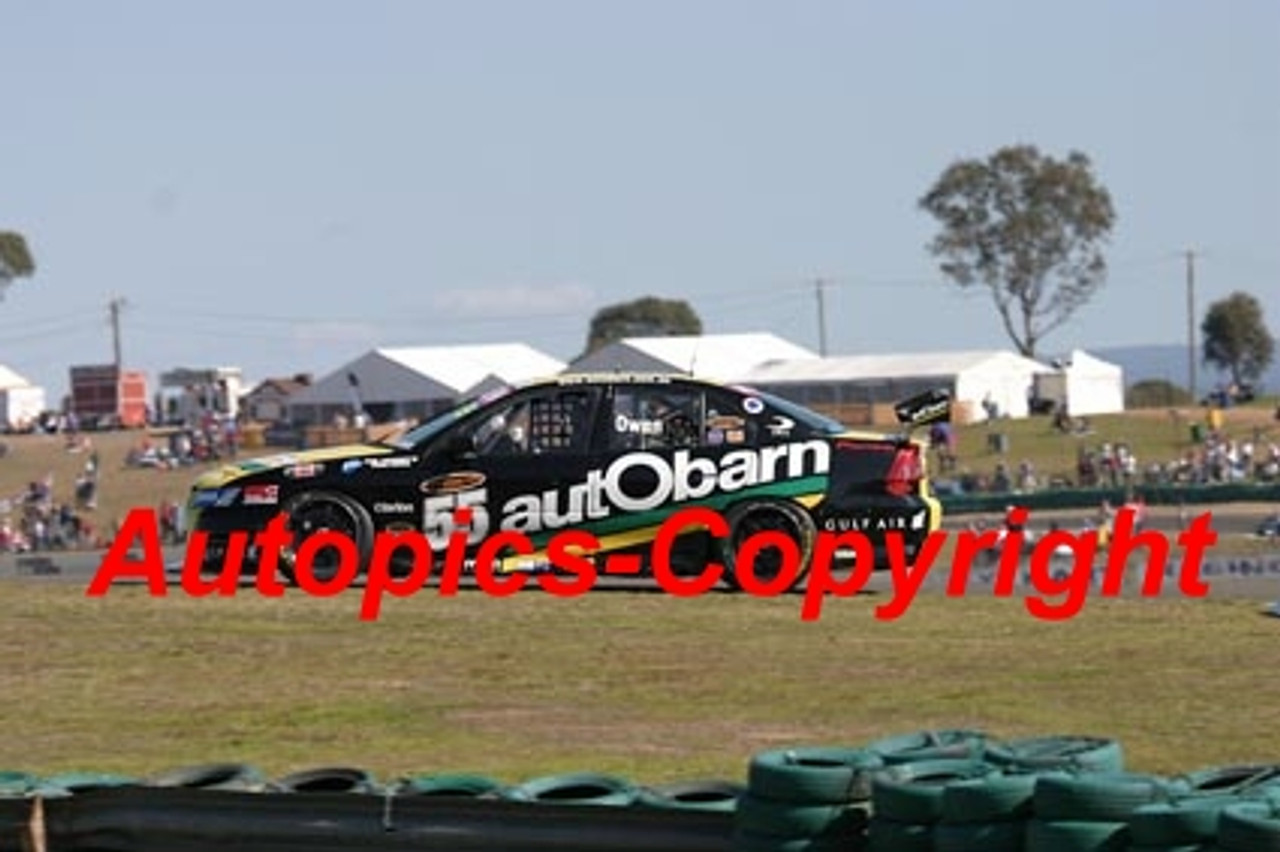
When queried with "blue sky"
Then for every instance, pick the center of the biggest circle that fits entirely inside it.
(283, 185)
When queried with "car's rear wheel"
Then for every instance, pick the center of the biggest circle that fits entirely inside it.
(314, 512)
(770, 566)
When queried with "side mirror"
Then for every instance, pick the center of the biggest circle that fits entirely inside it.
(922, 409)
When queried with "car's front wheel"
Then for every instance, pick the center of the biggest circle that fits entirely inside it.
(314, 512)
(760, 565)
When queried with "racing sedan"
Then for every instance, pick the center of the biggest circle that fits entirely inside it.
(611, 455)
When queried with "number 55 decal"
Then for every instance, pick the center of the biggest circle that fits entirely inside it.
(438, 522)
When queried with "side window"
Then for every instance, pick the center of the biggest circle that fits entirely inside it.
(556, 422)
(727, 422)
(646, 417)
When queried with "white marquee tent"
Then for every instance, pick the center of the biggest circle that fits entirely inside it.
(706, 356)
(1087, 385)
(21, 402)
(976, 379)
(416, 382)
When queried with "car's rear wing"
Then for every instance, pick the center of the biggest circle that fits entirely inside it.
(922, 409)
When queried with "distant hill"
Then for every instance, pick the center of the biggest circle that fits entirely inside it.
(1169, 361)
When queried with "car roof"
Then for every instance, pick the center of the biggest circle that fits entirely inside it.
(620, 378)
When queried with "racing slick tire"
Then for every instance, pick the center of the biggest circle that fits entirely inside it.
(768, 567)
(313, 512)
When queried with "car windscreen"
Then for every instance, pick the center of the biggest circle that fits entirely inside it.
(434, 426)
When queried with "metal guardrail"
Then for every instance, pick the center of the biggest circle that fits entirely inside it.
(1083, 498)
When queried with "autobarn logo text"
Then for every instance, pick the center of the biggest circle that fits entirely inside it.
(635, 482)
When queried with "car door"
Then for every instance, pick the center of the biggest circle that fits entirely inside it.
(519, 464)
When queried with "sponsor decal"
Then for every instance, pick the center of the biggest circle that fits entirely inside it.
(309, 470)
(635, 426)
(352, 465)
(780, 426)
(877, 522)
(634, 482)
(753, 405)
(391, 462)
(724, 422)
(735, 436)
(450, 483)
(220, 497)
(261, 495)
(386, 507)
(715, 437)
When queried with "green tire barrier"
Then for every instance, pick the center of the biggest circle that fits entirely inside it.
(912, 792)
(576, 788)
(1076, 836)
(70, 783)
(1086, 754)
(980, 836)
(1233, 779)
(929, 745)
(887, 835)
(327, 779)
(211, 776)
(14, 783)
(1250, 827)
(447, 784)
(813, 775)
(1100, 796)
(1182, 822)
(998, 797)
(719, 796)
(787, 819)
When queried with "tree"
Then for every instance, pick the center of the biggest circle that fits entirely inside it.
(1029, 228)
(646, 317)
(1236, 338)
(15, 259)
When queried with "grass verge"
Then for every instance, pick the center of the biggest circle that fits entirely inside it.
(645, 685)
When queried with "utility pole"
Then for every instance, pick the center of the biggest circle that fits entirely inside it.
(1191, 324)
(819, 287)
(114, 307)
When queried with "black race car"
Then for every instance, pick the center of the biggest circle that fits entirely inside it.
(609, 455)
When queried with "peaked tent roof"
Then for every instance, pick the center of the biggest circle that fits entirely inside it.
(10, 379)
(464, 367)
(394, 374)
(714, 356)
(1082, 363)
(845, 368)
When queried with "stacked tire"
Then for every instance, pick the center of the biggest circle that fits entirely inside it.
(1190, 821)
(906, 801)
(1250, 826)
(575, 788)
(1090, 811)
(1058, 753)
(986, 814)
(810, 799)
(957, 744)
